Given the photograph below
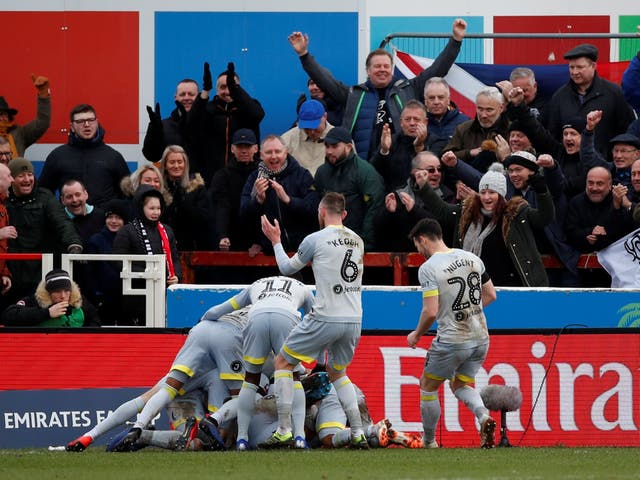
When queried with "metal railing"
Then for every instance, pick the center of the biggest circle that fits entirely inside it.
(481, 47)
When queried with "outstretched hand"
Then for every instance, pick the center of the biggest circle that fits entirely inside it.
(300, 42)
(154, 115)
(207, 81)
(231, 76)
(459, 29)
(42, 85)
(270, 230)
(593, 119)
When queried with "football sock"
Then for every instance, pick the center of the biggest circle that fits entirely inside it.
(298, 411)
(430, 412)
(161, 398)
(342, 438)
(284, 396)
(472, 399)
(246, 406)
(160, 438)
(118, 417)
(347, 396)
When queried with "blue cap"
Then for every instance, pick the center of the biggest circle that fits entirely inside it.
(310, 114)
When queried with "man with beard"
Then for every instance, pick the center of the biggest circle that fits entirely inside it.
(346, 173)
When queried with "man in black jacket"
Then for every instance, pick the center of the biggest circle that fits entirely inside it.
(86, 158)
(587, 91)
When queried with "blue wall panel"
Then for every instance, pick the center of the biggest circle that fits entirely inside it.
(257, 43)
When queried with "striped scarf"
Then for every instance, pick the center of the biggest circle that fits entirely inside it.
(141, 232)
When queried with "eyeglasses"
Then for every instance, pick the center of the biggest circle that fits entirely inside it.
(5, 154)
(624, 150)
(82, 121)
(433, 169)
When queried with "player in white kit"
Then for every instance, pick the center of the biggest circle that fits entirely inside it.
(455, 288)
(336, 319)
(273, 314)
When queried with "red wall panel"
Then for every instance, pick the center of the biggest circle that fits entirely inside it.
(524, 51)
(89, 57)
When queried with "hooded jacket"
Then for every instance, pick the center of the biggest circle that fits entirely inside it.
(33, 311)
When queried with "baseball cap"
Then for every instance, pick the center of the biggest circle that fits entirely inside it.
(337, 135)
(244, 136)
(310, 114)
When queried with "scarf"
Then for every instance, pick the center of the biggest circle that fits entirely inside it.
(264, 172)
(5, 127)
(475, 236)
(74, 319)
(141, 232)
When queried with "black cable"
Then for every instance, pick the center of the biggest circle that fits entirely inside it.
(544, 379)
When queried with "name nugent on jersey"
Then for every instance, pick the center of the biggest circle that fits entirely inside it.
(452, 267)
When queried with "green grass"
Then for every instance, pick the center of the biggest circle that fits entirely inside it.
(395, 464)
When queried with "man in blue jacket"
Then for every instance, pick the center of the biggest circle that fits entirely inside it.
(379, 100)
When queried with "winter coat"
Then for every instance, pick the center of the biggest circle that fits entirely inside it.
(225, 192)
(601, 95)
(471, 134)
(297, 219)
(26, 135)
(519, 220)
(441, 130)
(190, 214)
(43, 227)
(98, 166)
(361, 100)
(33, 311)
(363, 189)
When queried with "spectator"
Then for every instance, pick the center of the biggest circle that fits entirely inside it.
(393, 159)
(146, 235)
(596, 219)
(172, 130)
(305, 141)
(85, 217)
(146, 174)
(214, 123)
(281, 189)
(403, 209)
(625, 150)
(489, 123)
(442, 114)
(7, 231)
(587, 91)
(631, 83)
(378, 101)
(105, 286)
(525, 78)
(346, 173)
(235, 233)
(86, 158)
(57, 302)
(485, 224)
(190, 213)
(41, 226)
(5, 151)
(335, 110)
(20, 137)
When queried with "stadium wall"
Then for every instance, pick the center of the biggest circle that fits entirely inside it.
(579, 388)
(121, 56)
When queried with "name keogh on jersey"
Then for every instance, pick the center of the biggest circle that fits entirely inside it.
(458, 264)
(339, 242)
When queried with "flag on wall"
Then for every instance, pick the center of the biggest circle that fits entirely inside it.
(621, 260)
(467, 79)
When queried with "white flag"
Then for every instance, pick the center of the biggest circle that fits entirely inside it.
(621, 260)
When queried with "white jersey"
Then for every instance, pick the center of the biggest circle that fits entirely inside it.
(456, 277)
(276, 293)
(337, 255)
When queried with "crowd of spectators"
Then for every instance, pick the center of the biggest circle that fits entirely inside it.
(567, 179)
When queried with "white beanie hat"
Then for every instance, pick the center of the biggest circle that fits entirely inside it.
(494, 180)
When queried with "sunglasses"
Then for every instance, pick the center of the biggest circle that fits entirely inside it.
(432, 169)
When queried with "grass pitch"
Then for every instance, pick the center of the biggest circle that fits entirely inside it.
(393, 463)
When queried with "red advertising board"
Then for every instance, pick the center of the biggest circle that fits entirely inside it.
(577, 389)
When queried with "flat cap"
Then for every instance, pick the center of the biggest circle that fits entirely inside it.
(582, 50)
(627, 139)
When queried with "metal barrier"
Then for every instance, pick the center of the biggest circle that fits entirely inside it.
(399, 262)
(621, 46)
(154, 274)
